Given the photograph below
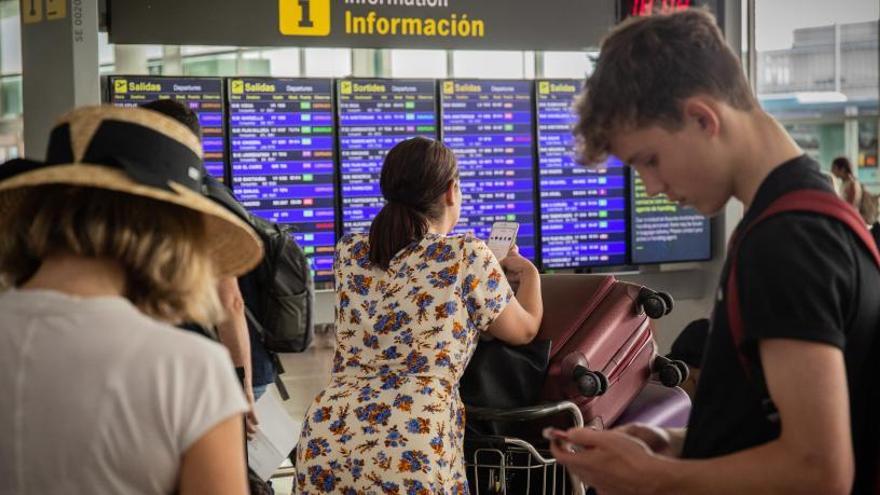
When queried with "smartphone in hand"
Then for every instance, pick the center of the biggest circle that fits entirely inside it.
(502, 238)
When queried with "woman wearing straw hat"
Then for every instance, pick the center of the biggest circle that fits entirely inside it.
(102, 247)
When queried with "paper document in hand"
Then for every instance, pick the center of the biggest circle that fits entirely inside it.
(276, 436)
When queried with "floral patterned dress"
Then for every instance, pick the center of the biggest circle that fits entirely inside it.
(391, 420)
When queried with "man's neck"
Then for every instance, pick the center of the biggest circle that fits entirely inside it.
(79, 276)
(763, 145)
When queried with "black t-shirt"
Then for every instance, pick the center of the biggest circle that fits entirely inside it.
(800, 276)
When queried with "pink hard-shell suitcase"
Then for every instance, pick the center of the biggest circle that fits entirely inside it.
(603, 350)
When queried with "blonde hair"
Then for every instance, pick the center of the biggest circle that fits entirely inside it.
(162, 247)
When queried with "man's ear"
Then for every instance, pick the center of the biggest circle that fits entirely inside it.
(705, 113)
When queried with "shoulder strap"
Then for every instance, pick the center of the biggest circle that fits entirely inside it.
(814, 201)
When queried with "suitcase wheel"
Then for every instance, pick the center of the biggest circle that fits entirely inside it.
(667, 298)
(672, 373)
(589, 383)
(654, 304)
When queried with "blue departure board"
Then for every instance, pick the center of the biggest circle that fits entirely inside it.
(664, 232)
(583, 211)
(281, 151)
(375, 115)
(489, 126)
(204, 95)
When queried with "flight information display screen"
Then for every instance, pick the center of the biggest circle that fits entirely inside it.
(204, 95)
(489, 126)
(664, 232)
(583, 211)
(282, 151)
(375, 115)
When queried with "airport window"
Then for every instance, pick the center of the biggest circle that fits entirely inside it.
(327, 62)
(283, 62)
(568, 65)
(10, 38)
(10, 96)
(419, 63)
(817, 72)
(494, 64)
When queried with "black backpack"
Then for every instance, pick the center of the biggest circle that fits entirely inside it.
(279, 293)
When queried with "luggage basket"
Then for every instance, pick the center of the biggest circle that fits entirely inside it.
(505, 465)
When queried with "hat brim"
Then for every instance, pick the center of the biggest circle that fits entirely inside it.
(234, 247)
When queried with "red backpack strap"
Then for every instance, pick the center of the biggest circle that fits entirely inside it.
(807, 200)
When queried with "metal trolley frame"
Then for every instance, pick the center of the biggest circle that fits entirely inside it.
(509, 465)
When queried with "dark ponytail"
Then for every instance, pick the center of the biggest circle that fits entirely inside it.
(415, 175)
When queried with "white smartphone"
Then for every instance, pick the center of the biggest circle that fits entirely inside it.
(502, 238)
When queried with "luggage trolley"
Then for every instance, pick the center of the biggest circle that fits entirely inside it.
(512, 466)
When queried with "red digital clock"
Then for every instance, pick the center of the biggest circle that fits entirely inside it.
(642, 8)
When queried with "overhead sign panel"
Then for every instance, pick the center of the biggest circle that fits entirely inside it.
(441, 24)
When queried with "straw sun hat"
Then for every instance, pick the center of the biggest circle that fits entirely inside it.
(138, 152)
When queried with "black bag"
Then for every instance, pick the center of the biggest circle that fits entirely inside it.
(279, 293)
(503, 376)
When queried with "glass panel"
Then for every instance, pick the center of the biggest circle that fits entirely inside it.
(224, 65)
(817, 69)
(567, 65)
(203, 50)
(106, 54)
(869, 131)
(153, 51)
(10, 39)
(328, 62)
(487, 65)
(10, 96)
(283, 62)
(419, 63)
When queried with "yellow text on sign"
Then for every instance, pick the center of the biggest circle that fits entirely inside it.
(304, 17)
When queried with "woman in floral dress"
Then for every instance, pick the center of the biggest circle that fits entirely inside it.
(411, 302)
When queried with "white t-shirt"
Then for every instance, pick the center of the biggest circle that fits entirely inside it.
(96, 397)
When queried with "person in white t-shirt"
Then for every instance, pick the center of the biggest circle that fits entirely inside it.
(104, 246)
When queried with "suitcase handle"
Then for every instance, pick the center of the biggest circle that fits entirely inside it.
(529, 413)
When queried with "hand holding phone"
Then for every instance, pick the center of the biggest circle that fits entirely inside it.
(502, 238)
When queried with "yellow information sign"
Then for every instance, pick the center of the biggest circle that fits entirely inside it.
(31, 11)
(237, 86)
(120, 86)
(304, 17)
(56, 9)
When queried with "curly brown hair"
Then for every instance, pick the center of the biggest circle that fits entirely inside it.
(647, 66)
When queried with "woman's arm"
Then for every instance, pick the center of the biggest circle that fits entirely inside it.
(519, 322)
(215, 462)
